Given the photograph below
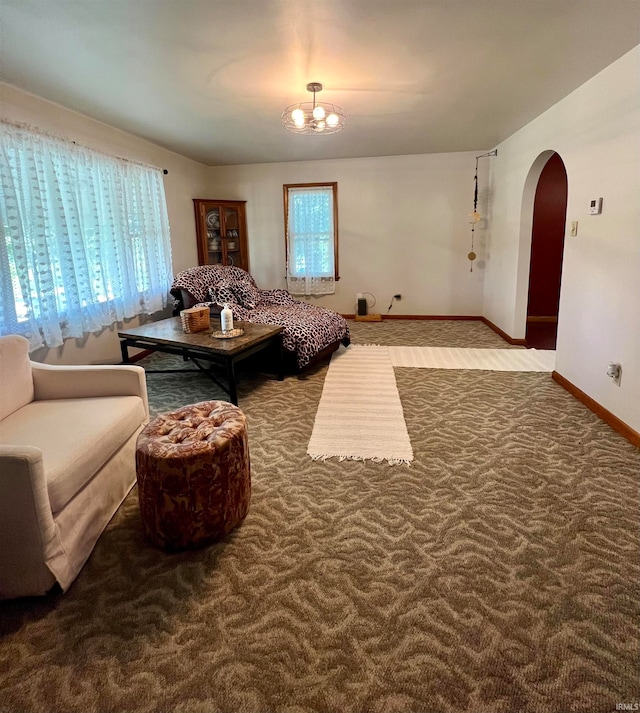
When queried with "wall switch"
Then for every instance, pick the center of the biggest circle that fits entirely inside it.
(574, 228)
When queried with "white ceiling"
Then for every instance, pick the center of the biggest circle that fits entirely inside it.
(209, 78)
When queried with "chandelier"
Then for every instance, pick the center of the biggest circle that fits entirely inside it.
(314, 117)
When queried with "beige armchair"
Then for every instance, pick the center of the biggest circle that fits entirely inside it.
(67, 461)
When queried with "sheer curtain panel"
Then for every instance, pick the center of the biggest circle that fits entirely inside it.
(310, 240)
(85, 239)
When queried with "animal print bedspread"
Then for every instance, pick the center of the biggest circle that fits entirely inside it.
(307, 328)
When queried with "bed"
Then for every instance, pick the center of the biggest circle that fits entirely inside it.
(310, 333)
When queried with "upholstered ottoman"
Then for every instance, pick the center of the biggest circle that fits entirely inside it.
(194, 480)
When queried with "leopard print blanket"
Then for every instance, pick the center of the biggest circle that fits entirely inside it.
(307, 328)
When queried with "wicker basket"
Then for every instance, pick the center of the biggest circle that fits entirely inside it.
(195, 319)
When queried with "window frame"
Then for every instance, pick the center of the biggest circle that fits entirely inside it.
(325, 184)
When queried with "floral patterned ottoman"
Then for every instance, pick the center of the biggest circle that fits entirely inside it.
(193, 471)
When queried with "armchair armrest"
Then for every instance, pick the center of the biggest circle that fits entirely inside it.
(75, 382)
(27, 530)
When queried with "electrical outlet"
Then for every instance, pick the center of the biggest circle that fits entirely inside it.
(614, 372)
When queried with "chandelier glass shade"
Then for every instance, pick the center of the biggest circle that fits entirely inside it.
(314, 117)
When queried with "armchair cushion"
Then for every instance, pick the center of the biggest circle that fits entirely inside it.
(16, 382)
(99, 427)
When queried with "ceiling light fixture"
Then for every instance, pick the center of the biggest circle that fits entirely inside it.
(314, 117)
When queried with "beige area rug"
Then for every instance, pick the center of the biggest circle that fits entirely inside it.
(360, 416)
(487, 359)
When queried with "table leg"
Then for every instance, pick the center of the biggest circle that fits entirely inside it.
(231, 377)
(280, 358)
(124, 351)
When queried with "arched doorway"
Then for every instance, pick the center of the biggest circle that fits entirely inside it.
(547, 245)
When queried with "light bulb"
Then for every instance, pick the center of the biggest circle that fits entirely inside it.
(298, 117)
(475, 217)
(318, 125)
(318, 112)
(333, 120)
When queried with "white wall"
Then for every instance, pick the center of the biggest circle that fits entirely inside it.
(403, 227)
(596, 131)
(186, 179)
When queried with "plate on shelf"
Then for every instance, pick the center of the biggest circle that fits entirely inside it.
(211, 220)
(219, 334)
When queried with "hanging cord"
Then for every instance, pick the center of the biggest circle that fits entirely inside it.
(475, 192)
(475, 211)
(475, 216)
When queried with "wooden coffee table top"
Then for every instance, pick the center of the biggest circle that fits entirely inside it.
(169, 331)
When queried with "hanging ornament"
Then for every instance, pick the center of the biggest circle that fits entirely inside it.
(474, 217)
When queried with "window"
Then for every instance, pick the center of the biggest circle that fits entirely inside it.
(311, 230)
(85, 239)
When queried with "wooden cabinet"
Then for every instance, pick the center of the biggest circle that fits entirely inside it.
(221, 229)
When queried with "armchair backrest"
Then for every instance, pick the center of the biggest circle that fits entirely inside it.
(16, 381)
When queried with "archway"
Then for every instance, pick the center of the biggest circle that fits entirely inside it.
(547, 245)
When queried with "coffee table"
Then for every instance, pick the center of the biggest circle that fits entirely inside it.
(167, 336)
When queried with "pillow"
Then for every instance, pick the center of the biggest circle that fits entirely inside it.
(222, 294)
(247, 294)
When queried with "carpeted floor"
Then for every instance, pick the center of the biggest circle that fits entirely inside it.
(499, 573)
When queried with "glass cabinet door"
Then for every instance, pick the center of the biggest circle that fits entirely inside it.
(221, 232)
(214, 232)
(232, 236)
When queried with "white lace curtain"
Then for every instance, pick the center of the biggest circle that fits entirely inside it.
(85, 239)
(310, 241)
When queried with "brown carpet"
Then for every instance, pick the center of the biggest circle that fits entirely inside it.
(499, 573)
